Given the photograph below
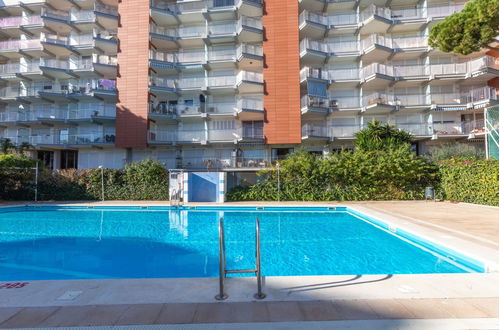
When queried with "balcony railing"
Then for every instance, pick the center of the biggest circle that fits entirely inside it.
(373, 10)
(314, 102)
(55, 14)
(345, 102)
(9, 68)
(250, 103)
(444, 10)
(250, 76)
(92, 112)
(346, 131)
(11, 22)
(417, 129)
(314, 130)
(249, 49)
(106, 9)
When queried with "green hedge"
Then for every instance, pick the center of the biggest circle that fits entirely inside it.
(471, 181)
(363, 175)
(146, 180)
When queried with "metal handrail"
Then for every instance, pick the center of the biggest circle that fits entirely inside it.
(223, 271)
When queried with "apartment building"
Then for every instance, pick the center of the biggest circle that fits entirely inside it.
(229, 84)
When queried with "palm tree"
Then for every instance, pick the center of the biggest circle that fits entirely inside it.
(23, 147)
(6, 145)
(378, 136)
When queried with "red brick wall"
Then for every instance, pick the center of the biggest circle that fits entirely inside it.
(494, 82)
(281, 72)
(132, 81)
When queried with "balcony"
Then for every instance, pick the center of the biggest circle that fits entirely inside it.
(56, 20)
(223, 135)
(9, 71)
(344, 132)
(458, 128)
(471, 99)
(100, 114)
(167, 13)
(163, 136)
(13, 27)
(416, 129)
(163, 112)
(311, 105)
(345, 104)
(375, 19)
(328, 6)
(250, 109)
(316, 132)
(244, 30)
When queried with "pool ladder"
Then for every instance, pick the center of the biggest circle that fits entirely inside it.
(175, 201)
(223, 263)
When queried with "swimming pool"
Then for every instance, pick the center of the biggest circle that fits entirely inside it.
(51, 242)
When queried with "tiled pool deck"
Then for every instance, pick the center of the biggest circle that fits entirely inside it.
(471, 300)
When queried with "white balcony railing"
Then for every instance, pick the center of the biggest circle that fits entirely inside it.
(316, 130)
(9, 68)
(373, 10)
(250, 103)
(347, 131)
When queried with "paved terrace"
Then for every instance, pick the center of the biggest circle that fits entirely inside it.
(385, 301)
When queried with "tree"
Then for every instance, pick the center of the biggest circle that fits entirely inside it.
(474, 28)
(23, 147)
(6, 145)
(379, 136)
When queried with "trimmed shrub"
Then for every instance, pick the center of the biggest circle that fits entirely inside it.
(17, 177)
(363, 175)
(146, 180)
(471, 181)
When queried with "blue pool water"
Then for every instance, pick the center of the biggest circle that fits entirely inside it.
(72, 243)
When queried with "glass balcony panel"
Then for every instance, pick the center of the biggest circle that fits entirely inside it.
(342, 19)
(163, 135)
(409, 42)
(406, 13)
(10, 68)
(10, 45)
(250, 103)
(189, 83)
(57, 14)
(83, 16)
(11, 22)
(410, 99)
(250, 49)
(447, 128)
(250, 22)
(106, 9)
(448, 69)
(409, 71)
(195, 31)
(308, 129)
(221, 28)
(346, 131)
(446, 98)
(444, 10)
(222, 54)
(32, 20)
(351, 102)
(415, 129)
(250, 76)
(378, 98)
(162, 82)
(372, 10)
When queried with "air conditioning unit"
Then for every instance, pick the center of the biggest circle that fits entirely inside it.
(211, 109)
